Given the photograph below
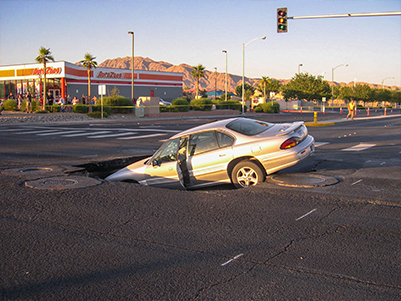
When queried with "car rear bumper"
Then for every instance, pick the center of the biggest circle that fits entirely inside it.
(292, 156)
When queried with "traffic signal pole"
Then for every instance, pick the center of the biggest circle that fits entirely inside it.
(392, 13)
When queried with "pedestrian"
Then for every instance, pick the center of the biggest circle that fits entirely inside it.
(94, 100)
(351, 109)
(11, 96)
(75, 100)
(19, 101)
(83, 99)
(68, 99)
(28, 103)
(50, 100)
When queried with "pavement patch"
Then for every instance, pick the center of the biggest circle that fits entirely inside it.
(64, 182)
(303, 180)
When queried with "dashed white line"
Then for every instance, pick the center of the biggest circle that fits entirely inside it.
(236, 257)
(359, 147)
(306, 214)
(359, 181)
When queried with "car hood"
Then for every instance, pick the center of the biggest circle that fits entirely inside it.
(133, 172)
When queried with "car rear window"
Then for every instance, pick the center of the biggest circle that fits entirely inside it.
(248, 127)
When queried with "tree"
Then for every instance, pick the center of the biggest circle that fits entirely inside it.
(44, 56)
(88, 63)
(249, 91)
(267, 85)
(306, 86)
(197, 73)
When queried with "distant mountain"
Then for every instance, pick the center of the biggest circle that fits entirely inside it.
(208, 82)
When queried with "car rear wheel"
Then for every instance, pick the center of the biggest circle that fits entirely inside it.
(246, 173)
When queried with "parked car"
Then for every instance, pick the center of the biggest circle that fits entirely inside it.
(162, 102)
(237, 150)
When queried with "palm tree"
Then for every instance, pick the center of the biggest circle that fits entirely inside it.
(44, 56)
(88, 63)
(262, 85)
(197, 73)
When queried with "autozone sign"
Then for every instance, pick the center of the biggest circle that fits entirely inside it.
(49, 70)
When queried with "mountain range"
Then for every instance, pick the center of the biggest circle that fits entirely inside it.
(209, 82)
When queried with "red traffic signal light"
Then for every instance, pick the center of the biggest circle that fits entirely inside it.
(282, 19)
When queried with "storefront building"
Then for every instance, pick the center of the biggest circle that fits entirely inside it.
(64, 78)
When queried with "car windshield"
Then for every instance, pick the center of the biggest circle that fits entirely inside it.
(248, 127)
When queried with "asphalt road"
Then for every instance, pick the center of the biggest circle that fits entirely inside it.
(123, 241)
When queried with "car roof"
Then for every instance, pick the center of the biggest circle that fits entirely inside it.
(220, 124)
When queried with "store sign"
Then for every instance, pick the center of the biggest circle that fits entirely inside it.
(49, 70)
(102, 74)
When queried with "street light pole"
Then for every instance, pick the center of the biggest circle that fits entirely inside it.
(132, 66)
(332, 80)
(299, 68)
(215, 82)
(243, 70)
(384, 80)
(225, 51)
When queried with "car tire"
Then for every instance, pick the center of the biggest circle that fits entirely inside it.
(246, 173)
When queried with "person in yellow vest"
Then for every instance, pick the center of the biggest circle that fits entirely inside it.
(351, 109)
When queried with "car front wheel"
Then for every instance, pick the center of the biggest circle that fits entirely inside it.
(246, 173)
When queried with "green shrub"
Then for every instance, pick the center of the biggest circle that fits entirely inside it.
(56, 108)
(180, 105)
(360, 107)
(270, 107)
(389, 106)
(80, 108)
(98, 114)
(10, 105)
(98, 108)
(35, 105)
(118, 104)
(201, 104)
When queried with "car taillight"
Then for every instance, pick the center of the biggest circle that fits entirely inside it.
(291, 142)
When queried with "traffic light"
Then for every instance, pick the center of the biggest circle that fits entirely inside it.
(282, 19)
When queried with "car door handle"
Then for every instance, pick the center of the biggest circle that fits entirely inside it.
(222, 155)
(170, 169)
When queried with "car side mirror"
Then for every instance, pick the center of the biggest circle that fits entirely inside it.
(155, 162)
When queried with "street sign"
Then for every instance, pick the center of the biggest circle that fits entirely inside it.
(102, 89)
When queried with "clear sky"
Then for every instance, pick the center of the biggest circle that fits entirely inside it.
(195, 32)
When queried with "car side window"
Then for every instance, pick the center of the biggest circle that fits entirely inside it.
(224, 139)
(169, 152)
(202, 142)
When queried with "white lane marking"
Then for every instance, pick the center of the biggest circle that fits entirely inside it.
(111, 135)
(306, 214)
(36, 132)
(236, 257)
(87, 134)
(140, 137)
(359, 181)
(359, 147)
(317, 144)
(382, 163)
(12, 130)
(59, 133)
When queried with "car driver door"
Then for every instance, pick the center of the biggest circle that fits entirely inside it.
(163, 170)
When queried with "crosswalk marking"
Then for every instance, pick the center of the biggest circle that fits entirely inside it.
(111, 135)
(36, 132)
(87, 134)
(141, 137)
(359, 147)
(58, 133)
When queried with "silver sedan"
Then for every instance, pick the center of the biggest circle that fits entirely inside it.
(237, 150)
